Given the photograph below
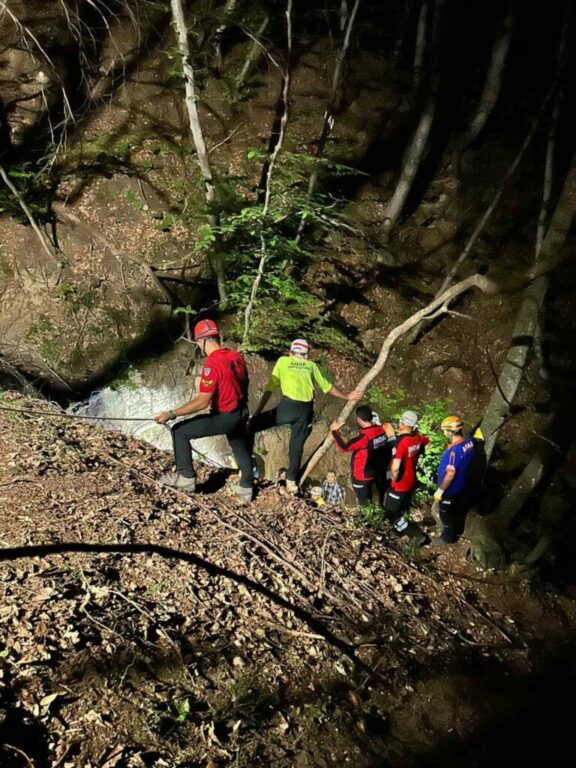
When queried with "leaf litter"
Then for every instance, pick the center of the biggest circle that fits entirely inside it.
(217, 633)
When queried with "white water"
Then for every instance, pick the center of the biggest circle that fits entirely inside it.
(134, 398)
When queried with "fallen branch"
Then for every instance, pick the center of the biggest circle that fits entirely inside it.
(436, 307)
(28, 213)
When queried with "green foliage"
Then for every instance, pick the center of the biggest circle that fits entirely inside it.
(35, 187)
(388, 404)
(252, 232)
(65, 291)
(74, 297)
(276, 321)
(371, 516)
(430, 419)
(205, 239)
(135, 200)
(171, 715)
(391, 405)
(163, 222)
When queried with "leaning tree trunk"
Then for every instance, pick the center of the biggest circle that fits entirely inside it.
(493, 81)
(546, 197)
(255, 50)
(527, 317)
(328, 121)
(486, 534)
(455, 268)
(436, 308)
(418, 143)
(420, 46)
(198, 135)
(269, 171)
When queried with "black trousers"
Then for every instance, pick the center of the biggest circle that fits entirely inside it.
(233, 425)
(363, 491)
(298, 416)
(395, 504)
(453, 510)
(382, 484)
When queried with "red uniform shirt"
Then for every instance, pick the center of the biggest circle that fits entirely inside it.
(367, 451)
(225, 376)
(408, 450)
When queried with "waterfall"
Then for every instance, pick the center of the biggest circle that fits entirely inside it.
(133, 398)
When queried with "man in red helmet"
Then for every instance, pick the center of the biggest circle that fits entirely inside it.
(223, 389)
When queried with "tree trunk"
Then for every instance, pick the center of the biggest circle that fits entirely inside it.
(543, 217)
(416, 149)
(269, 173)
(328, 121)
(254, 52)
(493, 82)
(436, 307)
(420, 45)
(527, 317)
(197, 134)
(488, 212)
(227, 13)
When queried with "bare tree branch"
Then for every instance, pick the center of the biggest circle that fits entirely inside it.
(44, 242)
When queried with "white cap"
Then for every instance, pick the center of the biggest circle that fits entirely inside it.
(410, 418)
(299, 346)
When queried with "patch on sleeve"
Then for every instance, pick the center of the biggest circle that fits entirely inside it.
(206, 371)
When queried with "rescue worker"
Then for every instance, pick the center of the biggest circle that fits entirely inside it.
(410, 445)
(452, 497)
(368, 453)
(383, 474)
(295, 376)
(223, 389)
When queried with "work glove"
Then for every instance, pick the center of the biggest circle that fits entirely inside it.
(438, 494)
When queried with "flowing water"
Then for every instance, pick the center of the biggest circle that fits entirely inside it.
(137, 396)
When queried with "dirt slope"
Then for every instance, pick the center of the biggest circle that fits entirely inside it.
(140, 628)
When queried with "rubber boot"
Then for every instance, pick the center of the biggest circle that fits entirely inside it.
(179, 482)
(245, 494)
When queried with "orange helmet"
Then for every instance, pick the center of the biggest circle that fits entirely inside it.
(452, 424)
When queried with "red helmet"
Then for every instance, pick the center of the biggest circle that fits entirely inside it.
(204, 329)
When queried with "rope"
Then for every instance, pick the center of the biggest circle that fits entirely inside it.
(65, 415)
